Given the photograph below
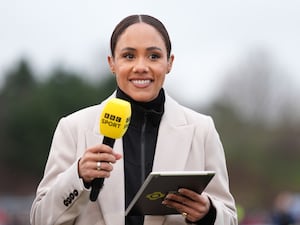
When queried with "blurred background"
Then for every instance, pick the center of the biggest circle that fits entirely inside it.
(234, 60)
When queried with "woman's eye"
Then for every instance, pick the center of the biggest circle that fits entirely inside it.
(128, 56)
(154, 56)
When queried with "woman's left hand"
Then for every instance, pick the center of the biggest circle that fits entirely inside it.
(190, 204)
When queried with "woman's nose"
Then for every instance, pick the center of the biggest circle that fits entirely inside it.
(140, 66)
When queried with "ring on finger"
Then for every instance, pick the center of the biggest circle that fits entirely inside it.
(184, 214)
(98, 166)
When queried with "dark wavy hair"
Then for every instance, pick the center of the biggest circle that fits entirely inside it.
(130, 20)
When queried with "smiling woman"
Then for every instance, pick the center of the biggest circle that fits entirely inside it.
(162, 135)
(140, 58)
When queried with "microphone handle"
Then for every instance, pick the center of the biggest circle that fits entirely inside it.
(108, 141)
(97, 183)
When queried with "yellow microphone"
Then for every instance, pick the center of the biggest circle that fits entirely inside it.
(114, 121)
(115, 118)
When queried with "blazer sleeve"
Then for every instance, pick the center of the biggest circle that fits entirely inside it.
(61, 195)
(218, 190)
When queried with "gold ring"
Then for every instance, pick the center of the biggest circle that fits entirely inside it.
(98, 165)
(184, 214)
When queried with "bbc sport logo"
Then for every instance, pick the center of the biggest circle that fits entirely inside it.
(112, 117)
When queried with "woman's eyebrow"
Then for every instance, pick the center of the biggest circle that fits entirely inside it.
(128, 49)
(148, 49)
(154, 48)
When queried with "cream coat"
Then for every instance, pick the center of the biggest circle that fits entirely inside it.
(186, 141)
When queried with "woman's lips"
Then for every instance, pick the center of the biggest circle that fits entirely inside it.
(141, 83)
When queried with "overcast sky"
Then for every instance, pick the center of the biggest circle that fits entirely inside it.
(208, 37)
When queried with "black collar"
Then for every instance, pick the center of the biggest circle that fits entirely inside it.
(153, 109)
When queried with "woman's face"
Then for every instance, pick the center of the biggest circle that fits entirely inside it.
(140, 62)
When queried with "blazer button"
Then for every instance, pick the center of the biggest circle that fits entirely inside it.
(71, 196)
(75, 192)
(66, 202)
(69, 200)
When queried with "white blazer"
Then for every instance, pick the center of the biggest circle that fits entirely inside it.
(186, 140)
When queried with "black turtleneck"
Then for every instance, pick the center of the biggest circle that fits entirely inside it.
(139, 144)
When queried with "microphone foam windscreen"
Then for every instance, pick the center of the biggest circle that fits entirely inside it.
(115, 118)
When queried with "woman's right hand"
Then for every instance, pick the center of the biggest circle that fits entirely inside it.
(87, 166)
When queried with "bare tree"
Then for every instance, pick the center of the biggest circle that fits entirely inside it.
(258, 90)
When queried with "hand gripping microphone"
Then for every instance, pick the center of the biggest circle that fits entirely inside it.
(114, 121)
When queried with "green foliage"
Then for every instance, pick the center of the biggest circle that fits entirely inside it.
(30, 111)
(262, 160)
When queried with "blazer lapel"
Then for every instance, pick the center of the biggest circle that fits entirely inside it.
(174, 140)
(173, 144)
(111, 197)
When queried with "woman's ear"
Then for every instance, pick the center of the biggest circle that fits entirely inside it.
(170, 63)
(111, 64)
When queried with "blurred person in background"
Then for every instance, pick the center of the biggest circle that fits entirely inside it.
(281, 214)
(177, 138)
(3, 217)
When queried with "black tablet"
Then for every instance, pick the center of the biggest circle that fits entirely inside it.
(157, 185)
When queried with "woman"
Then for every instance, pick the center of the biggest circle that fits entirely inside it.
(173, 137)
